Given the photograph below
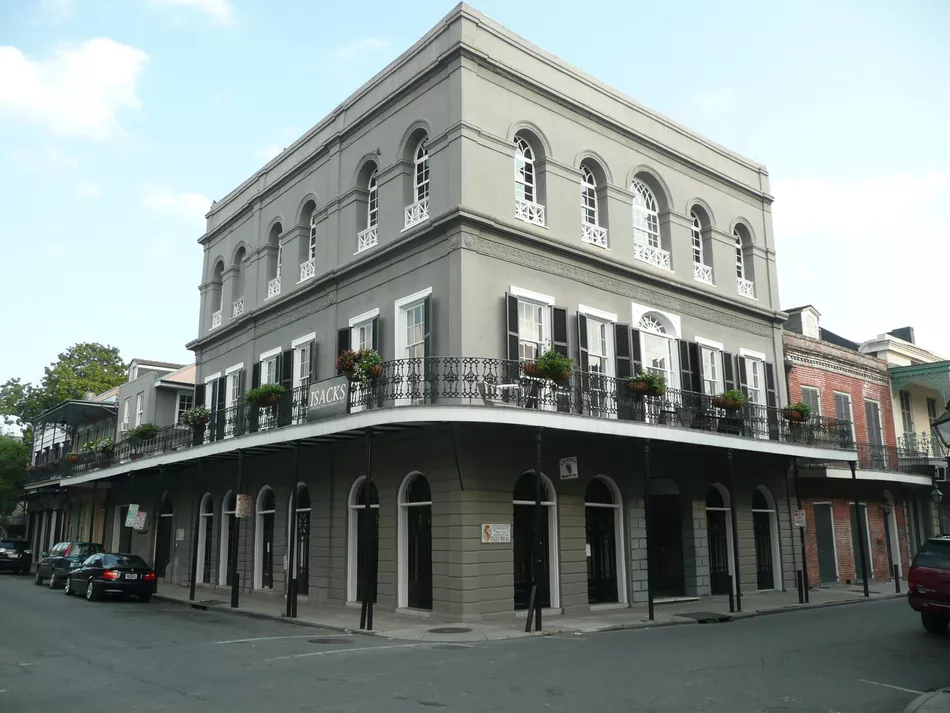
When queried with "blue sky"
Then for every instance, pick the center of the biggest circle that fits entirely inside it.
(121, 119)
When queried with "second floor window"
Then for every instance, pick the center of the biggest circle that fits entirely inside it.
(525, 186)
(313, 236)
(697, 229)
(126, 414)
(422, 171)
(740, 257)
(656, 347)
(372, 205)
(588, 197)
(534, 329)
(185, 403)
(139, 409)
(712, 371)
(907, 413)
(812, 397)
(646, 224)
(269, 370)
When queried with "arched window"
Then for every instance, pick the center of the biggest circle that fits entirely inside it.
(372, 204)
(307, 225)
(300, 529)
(702, 267)
(415, 542)
(646, 222)
(720, 541)
(205, 532)
(656, 347)
(217, 293)
(264, 540)
(524, 171)
(697, 232)
(229, 534)
(588, 197)
(237, 284)
(357, 549)
(523, 501)
(606, 581)
(745, 277)
(740, 257)
(421, 172)
(274, 260)
(768, 568)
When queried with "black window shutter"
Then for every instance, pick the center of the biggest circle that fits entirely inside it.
(637, 359)
(427, 326)
(689, 367)
(285, 366)
(770, 394)
(624, 367)
(582, 358)
(559, 329)
(221, 415)
(256, 375)
(239, 418)
(342, 340)
(728, 373)
(743, 379)
(376, 334)
(200, 395)
(511, 326)
(313, 362)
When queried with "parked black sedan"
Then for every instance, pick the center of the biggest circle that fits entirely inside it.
(15, 556)
(105, 573)
(63, 558)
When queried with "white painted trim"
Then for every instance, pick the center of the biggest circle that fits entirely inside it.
(231, 369)
(638, 310)
(710, 344)
(415, 297)
(214, 377)
(402, 530)
(774, 535)
(531, 296)
(365, 317)
(749, 354)
(596, 313)
(352, 565)
(300, 341)
(730, 542)
(270, 353)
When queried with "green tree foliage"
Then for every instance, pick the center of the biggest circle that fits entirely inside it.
(14, 458)
(83, 367)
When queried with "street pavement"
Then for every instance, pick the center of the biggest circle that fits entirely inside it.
(58, 652)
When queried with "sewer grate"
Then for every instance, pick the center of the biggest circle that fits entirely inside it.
(330, 641)
(450, 630)
(706, 617)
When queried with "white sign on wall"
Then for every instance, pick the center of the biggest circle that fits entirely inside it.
(798, 518)
(498, 533)
(180, 534)
(131, 515)
(569, 468)
(140, 521)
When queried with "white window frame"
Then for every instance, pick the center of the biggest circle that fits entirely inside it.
(554, 560)
(696, 230)
(224, 540)
(817, 394)
(421, 187)
(359, 321)
(265, 359)
(757, 359)
(590, 211)
(526, 179)
(372, 201)
(312, 245)
(139, 408)
(179, 411)
(400, 312)
(352, 535)
(646, 215)
(604, 317)
(850, 411)
(126, 414)
(259, 539)
(541, 300)
(298, 345)
(740, 256)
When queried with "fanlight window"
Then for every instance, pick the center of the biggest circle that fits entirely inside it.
(524, 172)
(646, 224)
(588, 196)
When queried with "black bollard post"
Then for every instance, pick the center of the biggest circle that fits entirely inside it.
(801, 588)
(732, 597)
(897, 579)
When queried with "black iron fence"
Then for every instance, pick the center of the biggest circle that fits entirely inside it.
(492, 383)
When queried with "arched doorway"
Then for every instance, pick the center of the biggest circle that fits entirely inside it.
(768, 566)
(205, 530)
(264, 572)
(719, 536)
(415, 542)
(357, 548)
(301, 530)
(523, 536)
(163, 536)
(229, 533)
(604, 520)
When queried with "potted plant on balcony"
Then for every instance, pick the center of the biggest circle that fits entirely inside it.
(797, 413)
(266, 395)
(144, 432)
(360, 364)
(105, 446)
(72, 458)
(197, 418)
(554, 367)
(646, 382)
(731, 400)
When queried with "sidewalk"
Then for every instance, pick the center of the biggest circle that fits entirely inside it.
(937, 702)
(416, 627)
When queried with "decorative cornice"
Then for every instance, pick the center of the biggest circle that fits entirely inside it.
(811, 359)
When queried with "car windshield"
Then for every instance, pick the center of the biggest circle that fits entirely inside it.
(18, 545)
(124, 561)
(934, 554)
(83, 549)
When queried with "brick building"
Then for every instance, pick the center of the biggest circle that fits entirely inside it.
(827, 372)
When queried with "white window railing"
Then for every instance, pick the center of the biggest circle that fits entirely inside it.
(308, 269)
(273, 287)
(746, 287)
(367, 239)
(216, 319)
(417, 213)
(594, 235)
(702, 273)
(237, 307)
(529, 212)
(651, 255)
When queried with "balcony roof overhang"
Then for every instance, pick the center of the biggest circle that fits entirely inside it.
(390, 419)
(935, 375)
(77, 412)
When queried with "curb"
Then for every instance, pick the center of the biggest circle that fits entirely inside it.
(921, 703)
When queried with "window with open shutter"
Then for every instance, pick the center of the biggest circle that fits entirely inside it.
(812, 397)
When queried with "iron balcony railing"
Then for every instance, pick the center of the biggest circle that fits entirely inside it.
(493, 383)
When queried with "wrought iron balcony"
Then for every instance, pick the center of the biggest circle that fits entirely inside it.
(651, 255)
(367, 239)
(417, 213)
(308, 269)
(529, 212)
(594, 235)
(746, 287)
(216, 319)
(273, 287)
(495, 383)
(702, 273)
(237, 308)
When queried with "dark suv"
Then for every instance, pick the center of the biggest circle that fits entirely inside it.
(16, 556)
(61, 560)
(928, 584)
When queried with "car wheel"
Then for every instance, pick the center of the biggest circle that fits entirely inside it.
(934, 624)
(92, 593)
(68, 588)
(53, 582)
(38, 580)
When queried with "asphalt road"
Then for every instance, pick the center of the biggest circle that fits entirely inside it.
(59, 653)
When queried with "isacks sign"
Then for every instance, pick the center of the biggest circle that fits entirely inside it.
(328, 398)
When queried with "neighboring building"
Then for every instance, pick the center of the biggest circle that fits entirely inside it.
(156, 393)
(827, 372)
(473, 205)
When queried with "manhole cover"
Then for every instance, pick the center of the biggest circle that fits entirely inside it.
(705, 617)
(330, 641)
(451, 646)
(450, 630)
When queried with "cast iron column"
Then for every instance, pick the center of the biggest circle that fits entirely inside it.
(539, 574)
(197, 529)
(857, 519)
(92, 518)
(735, 530)
(291, 540)
(369, 542)
(801, 530)
(646, 523)
(233, 569)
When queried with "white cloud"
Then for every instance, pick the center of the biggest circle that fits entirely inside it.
(56, 11)
(88, 189)
(869, 253)
(220, 11)
(190, 208)
(46, 161)
(77, 92)
(360, 49)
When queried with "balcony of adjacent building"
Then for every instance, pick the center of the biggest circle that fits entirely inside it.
(62, 434)
(471, 390)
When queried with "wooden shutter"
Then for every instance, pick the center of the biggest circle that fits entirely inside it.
(285, 377)
(637, 365)
(253, 413)
(690, 368)
(582, 355)
(342, 342)
(256, 375)
(559, 330)
(511, 327)
(313, 362)
(220, 400)
(728, 372)
(771, 400)
(743, 377)
(623, 366)
(427, 326)
(241, 415)
(375, 346)
(199, 395)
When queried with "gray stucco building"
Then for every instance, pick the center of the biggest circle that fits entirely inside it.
(473, 205)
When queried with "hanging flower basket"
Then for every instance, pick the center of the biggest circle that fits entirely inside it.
(554, 366)
(144, 432)
(731, 400)
(360, 365)
(530, 369)
(374, 371)
(72, 458)
(797, 412)
(265, 396)
(647, 383)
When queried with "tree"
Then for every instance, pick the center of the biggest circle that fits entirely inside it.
(14, 458)
(87, 366)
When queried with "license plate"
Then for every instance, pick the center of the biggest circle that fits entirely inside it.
(131, 576)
